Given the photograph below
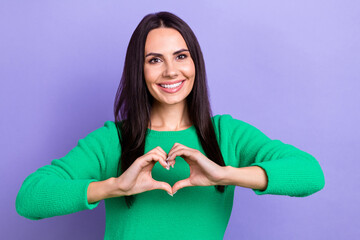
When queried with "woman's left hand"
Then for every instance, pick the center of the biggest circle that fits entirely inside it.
(203, 171)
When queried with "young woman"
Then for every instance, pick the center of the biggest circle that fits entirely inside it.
(163, 118)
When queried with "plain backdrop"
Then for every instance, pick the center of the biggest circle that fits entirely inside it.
(289, 68)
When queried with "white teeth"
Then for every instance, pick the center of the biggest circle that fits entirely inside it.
(172, 85)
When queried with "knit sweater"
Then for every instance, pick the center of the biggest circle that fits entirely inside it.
(199, 212)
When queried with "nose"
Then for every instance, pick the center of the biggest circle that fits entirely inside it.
(170, 70)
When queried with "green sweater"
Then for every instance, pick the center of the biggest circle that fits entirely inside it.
(193, 212)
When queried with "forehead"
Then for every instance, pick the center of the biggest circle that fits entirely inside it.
(164, 40)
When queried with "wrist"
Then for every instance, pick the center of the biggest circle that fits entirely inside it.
(224, 176)
(114, 188)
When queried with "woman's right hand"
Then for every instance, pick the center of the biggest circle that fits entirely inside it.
(137, 178)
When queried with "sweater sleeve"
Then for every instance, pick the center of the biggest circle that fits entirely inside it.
(290, 171)
(61, 187)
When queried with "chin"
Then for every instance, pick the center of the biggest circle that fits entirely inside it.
(171, 102)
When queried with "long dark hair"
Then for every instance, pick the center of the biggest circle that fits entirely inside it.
(133, 100)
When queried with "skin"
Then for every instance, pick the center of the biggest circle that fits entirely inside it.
(169, 111)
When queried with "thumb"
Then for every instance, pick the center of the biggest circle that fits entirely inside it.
(181, 184)
(163, 186)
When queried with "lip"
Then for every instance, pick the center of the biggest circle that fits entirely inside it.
(172, 90)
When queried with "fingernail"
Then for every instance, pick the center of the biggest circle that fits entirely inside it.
(170, 194)
(167, 158)
(167, 167)
(174, 193)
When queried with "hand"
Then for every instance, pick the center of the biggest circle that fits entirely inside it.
(137, 178)
(203, 171)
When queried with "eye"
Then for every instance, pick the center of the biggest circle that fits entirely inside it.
(151, 60)
(182, 56)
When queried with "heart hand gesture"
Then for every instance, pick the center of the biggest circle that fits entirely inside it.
(203, 171)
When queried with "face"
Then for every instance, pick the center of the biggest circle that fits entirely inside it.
(168, 60)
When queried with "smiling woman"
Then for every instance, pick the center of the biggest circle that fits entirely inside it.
(163, 118)
(163, 88)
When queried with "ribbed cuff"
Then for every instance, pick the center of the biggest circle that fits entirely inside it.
(87, 204)
(266, 191)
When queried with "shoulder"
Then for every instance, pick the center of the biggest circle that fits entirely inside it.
(106, 132)
(227, 124)
(227, 121)
(108, 127)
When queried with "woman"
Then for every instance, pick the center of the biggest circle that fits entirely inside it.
(166, 119)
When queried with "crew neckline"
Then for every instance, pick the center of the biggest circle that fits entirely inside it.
(178, 133)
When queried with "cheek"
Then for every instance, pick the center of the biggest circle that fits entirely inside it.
(149, 74)
(189, 69)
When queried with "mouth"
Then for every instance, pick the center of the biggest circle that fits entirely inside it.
(172, 87)
(170, 83)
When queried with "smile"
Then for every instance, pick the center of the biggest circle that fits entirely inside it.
(171, 88)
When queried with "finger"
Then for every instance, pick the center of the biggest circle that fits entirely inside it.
(160, 151)
(164, 155)
(180, 152)
(181, 184)
(161, 160)
(172, 164)
(163, 186)
(175, 148)
(153, 156)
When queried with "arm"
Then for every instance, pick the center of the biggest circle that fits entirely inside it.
(62, 187)
(249, 177)
(108, 188)
(98, 191)
(289, 170)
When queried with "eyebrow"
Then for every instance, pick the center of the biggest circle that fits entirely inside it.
(160, 55)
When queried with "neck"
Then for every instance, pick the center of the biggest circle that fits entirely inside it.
(169, 117)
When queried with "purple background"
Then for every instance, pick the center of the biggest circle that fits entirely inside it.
(289, 68)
